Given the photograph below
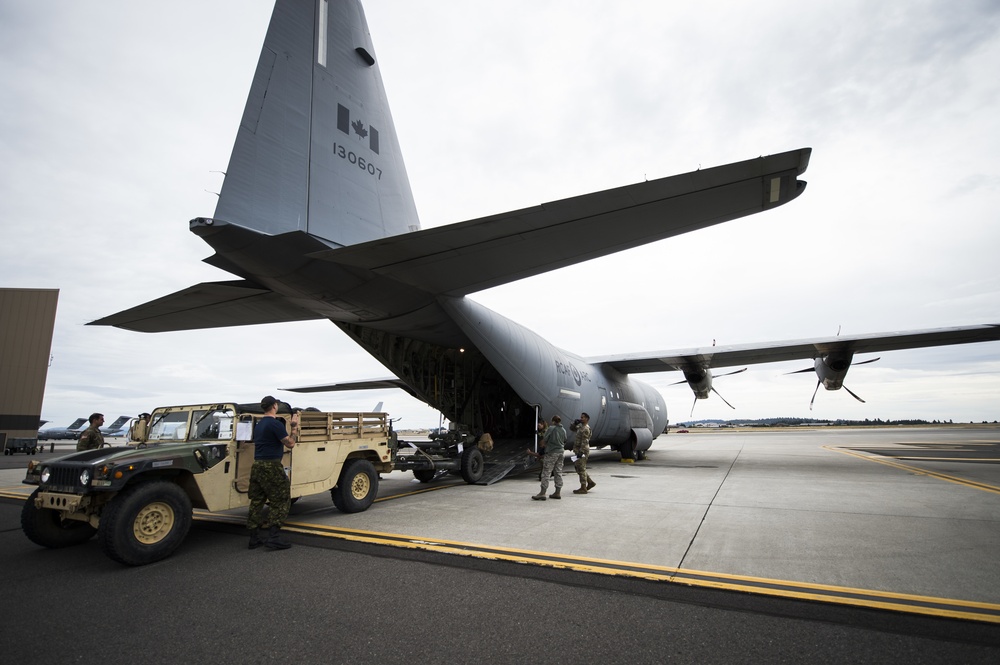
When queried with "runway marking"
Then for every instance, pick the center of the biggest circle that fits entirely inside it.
(886, 600)
(986, 487)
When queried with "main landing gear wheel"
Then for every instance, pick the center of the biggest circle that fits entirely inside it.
(145, 523)
(357, 488)
(627, 450)
(473, 465)
(44, 526)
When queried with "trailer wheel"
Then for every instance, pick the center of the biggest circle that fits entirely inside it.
(44, 526)
(357, 487)
(145, 523)
(424, 475)
(472, 465)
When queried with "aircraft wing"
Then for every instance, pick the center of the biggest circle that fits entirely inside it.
(209, 305)
(458, 259)
(360, 384)
(751, 354)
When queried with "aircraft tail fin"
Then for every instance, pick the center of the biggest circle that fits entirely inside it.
(316, 149)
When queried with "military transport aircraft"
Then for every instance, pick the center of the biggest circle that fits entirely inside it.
(118, 428)
(316, 219)
(70, 432)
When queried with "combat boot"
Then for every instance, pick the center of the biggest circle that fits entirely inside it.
(556, 495)
(539, 497)
(255, 539)
(275, 539)
(590, 484)
(582, 490)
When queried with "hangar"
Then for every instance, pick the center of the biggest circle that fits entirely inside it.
(27, 319)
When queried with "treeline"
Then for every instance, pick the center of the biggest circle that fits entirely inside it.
(797, 422)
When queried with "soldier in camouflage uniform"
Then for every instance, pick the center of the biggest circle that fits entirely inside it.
(581, 448)
(552, 461)
(92, 438)
(268, 482)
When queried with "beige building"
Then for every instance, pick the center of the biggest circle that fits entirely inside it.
(27, 318)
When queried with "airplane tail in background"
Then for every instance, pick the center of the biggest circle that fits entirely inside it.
(316, 150)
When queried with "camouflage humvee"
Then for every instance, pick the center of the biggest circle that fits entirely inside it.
(139, 498)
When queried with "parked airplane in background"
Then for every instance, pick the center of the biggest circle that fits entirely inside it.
(70, 432)
(317, 220)
(117, 428)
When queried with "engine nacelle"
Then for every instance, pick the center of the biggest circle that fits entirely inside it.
(832, 368)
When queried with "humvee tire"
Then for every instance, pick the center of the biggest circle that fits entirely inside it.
(424, 475)
(44, 526)
(145, 523)
(473, 465)
(357, 487)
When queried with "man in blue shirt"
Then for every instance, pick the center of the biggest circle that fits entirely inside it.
(268, 481)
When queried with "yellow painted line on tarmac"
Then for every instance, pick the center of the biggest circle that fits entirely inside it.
(986, 487)
(917, 458)
(886, 600)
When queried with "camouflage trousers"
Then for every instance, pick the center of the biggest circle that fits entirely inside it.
(550, 464)
(581, 469)
(268, 483)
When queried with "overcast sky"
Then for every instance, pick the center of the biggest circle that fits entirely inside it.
(118, 115)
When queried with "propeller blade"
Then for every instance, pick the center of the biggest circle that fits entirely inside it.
(853, 395)
(693, 405)
(715, 376)
(865, 362)
(814, 394)
(801, 371)
(677, 383)
(723, 399)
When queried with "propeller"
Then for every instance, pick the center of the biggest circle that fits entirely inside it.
(708, 378)
(819, 382)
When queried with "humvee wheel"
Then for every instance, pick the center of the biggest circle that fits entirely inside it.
(153, 523)
(473, 465)
(424, 475)
(44, 526)
(145, 523)
(357, 487)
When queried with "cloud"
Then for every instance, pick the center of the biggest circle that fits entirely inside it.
(117, 114)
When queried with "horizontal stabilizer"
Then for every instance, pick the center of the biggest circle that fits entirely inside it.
(458, 259)
(209, 305)
(750, 354)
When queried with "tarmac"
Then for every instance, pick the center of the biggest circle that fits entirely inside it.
(894, 532)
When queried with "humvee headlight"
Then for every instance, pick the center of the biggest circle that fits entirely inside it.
(46, 474)
(85, 477)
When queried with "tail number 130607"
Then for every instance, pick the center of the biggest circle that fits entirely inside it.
(357, 160)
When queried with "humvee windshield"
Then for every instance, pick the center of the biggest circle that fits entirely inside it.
(201, 424)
